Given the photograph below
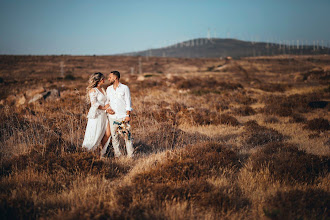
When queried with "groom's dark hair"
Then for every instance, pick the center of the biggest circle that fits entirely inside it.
(116, 73)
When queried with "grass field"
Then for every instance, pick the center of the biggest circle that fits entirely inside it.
(245, 139)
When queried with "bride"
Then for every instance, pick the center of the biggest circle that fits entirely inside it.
(98, 129)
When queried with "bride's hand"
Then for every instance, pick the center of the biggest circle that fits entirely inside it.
(106, 106)
(110, 111)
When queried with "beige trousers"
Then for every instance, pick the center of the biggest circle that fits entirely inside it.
(114, 127)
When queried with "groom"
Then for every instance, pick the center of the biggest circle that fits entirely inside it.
(119, 98)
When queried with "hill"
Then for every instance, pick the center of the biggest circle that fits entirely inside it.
(215, 47)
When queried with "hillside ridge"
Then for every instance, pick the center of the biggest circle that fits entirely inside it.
(217, 47)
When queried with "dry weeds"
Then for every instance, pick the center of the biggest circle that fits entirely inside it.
(318, 124)
(288, 164)
(256, 135)
(214, 144)
(309, 204)
(286, 106)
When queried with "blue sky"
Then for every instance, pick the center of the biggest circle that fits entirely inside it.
(87, 27)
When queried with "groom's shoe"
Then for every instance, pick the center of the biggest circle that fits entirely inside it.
(117, 154)
(132, 156)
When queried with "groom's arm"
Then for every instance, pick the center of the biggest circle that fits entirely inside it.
(128, 100)
(128, 104)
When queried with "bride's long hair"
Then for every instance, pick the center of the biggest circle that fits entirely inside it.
(93, 81)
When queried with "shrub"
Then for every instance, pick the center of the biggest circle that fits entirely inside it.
(298, 204)
(287, 163)
(210, 83)
(194, 161)
(50, 159)
(206, 118)
(179, 114)
(318, 124)
(165, 136)
(69, 77)
(228, 120)
(327, 143)
(12, 123)
(151, 83)
(241, 97)
(286, 106)
(202, 194)
(245, 111)
(271, 120)
(225, 199)
(318, 74)
(297, 118)
(164, 115)
(177, 107)
(196, 193)
(128, 203)
(18, 208)
(204, 91)
(163, 104)
(220, 106)
(318, 104)
(168, 114)
(313, 136)
(210, 68)
(273, 87)
(191, 190)
(255, 134)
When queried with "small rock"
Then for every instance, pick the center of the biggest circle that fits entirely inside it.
(169, 76)
(140, 78)
(36, 98)
(21, 100)
(52, 94)
(32, 93)
(47, 95)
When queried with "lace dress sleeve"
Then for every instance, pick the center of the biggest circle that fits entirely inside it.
(93, 111)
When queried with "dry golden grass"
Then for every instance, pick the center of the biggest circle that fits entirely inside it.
(248, 141)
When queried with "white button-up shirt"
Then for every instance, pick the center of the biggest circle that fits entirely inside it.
(119, 100)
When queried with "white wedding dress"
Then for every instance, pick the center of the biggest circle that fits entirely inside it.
(97, 121)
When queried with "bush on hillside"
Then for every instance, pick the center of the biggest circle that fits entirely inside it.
(298, 204)
(289, 164)
(255, 135)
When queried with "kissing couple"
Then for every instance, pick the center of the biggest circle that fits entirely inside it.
(109, 115)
